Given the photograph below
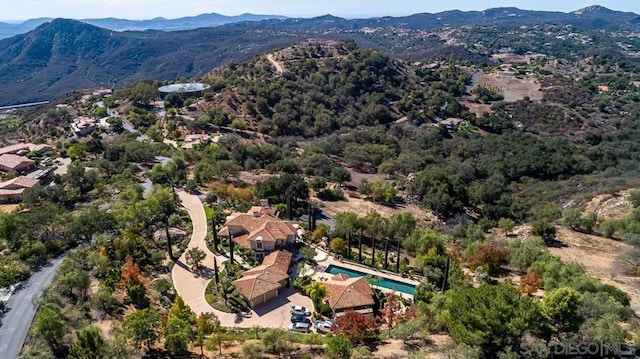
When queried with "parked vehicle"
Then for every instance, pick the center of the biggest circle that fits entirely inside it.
(300, 319)
(300, 310)
(323, 326)
(300, 327)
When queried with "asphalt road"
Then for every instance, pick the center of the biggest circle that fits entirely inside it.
(21, 310)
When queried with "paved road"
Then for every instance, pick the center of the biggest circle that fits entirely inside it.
(191, 287)
(22, 309)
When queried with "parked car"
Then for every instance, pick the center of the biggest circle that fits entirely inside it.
(296, 318)
(300, 327)
(323, 326)
(300, 310)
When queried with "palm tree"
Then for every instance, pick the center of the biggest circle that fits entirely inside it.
(227, 288)
(316, 292)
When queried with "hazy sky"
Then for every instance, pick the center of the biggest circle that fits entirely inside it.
(145, 9)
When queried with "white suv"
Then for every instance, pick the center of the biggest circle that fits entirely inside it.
(300, 310)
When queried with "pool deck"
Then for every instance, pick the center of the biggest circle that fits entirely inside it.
(325, 259)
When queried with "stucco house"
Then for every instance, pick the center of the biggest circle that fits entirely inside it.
(260, 230)
(345, 293)
(13, 190)
(10, 162)
(15, 148)
(264, 282)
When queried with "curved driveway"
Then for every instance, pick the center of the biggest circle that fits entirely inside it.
(191, 287)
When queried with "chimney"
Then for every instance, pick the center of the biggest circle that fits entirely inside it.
(264, 203)
(256, 214)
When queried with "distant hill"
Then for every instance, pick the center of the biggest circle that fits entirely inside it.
(162, 24)
(64, 55)
(606, 19)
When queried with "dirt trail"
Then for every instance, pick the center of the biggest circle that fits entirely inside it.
(275, 64)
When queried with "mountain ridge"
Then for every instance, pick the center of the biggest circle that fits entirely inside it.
(158, 23)
(64, 55)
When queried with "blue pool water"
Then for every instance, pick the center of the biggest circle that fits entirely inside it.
(381, 282)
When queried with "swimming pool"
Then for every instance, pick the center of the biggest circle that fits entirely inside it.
(379, 281)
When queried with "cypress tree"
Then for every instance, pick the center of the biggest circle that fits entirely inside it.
(373, 251)
(349, 245)
(215, 270)
(398, 259)
(215, 232)
(231, 245)
(360, 247)
(386, 254)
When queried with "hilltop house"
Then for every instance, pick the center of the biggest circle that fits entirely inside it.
(451, 124)
(13, 190)
(264, 282)
(344, 294)
(83, 126)
(260, 230)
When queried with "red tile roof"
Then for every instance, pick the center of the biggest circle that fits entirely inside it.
(14, 161)
(266, 277)
(258, 222)
(344, 293)
(14, 148)
(19, 182)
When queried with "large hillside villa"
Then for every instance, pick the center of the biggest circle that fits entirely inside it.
(260, 230)
(345, 293)
(264, 282)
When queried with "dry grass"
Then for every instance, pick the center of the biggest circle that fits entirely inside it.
(7, 208)
(514, 88)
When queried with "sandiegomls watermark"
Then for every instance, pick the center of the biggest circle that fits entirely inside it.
(578, 349)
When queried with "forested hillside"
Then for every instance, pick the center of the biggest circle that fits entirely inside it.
(327, 88)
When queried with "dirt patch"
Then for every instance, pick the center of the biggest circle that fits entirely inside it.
(8, 208)
(391, 349)
(514, 88)
(478, 109)
(105, 327)
(358, 177)
(511, 58)
(363, 207)
(597, 256)
(611, 207)
(252, 178)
